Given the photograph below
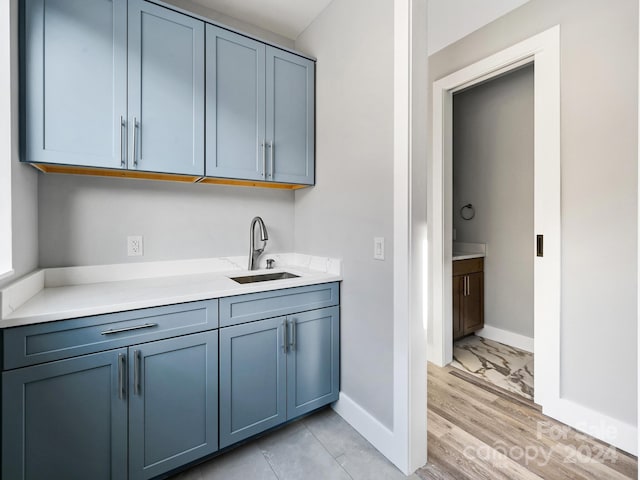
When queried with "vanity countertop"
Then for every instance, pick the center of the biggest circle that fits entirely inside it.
(63, 293)
(466, 256)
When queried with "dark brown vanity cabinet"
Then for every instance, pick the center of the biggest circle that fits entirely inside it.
(468, 296)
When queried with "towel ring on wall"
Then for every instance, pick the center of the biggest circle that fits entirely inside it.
(467, 212)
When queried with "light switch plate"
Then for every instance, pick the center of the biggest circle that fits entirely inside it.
(378, 248)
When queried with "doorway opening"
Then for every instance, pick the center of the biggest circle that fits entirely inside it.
(492, 265)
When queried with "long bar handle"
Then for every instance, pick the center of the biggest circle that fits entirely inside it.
(123, 153)
(136, 372)
(264, 159)
(464, 285)
(271, 148)
(128, 329)
(284, 336)
(293, 334)
(122, 363)
(136, 126)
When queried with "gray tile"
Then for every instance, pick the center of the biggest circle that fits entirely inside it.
(357, 456)
(244, 463)
(295, 454)
(367, 463)
(334, 433)
(191, 474)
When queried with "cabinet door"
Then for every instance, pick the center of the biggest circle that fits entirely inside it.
(313, 361)
(473, 307)
(290, 117)
(166, 90)
(75, 82)
(173, 403)
(66, 419)
(458, 287)
(235, 106)
(252, 379)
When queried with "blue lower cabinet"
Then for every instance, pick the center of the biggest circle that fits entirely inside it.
(313, 360)
(277, 369)
(252, 379)
(66, 419)
(173, 403)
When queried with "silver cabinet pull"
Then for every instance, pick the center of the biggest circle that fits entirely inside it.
(271, 147)
(136, 126)
(284, 336)
(293, 334)
(264, 159)
(122, 363)
(128, 329)
(123, 153)
(136, 372)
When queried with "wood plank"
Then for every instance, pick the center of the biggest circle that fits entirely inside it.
(464, 412)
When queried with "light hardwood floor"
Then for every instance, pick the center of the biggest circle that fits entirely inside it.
(478, 431)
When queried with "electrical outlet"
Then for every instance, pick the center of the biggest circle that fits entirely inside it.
(378, 248)
(134, 246)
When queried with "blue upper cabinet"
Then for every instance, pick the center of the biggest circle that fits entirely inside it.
(166, 90)
(235, 106)
(290, 117)
(126, 84)
(74, 59)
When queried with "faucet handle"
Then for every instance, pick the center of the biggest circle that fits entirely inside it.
(270, 262)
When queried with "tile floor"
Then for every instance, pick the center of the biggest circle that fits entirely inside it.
(319, 447)
(504, 366)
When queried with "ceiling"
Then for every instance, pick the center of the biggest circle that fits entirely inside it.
(449, 20)
(288, 18)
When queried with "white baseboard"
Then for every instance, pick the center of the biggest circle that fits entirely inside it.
(621, 435)
(369, 427)
(508, 338)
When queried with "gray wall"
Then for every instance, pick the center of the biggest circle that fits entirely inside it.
(24, 181)
(86, 220)
(599, 135)
(493, 170)
(353, 200)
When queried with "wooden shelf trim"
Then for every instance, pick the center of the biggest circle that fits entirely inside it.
(168, 177)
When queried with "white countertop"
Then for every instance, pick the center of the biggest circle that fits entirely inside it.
(62, 293)
(466, 256)
(466, 250)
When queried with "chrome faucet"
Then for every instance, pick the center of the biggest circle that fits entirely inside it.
(254, 253)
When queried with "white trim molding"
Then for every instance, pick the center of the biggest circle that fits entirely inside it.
(6, 238)
(603, 427)
(366, 424)
(544, 51)
(508, 338)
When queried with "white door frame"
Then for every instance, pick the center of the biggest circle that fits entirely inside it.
(544, 51)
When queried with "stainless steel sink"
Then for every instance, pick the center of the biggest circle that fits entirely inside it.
(265, 277)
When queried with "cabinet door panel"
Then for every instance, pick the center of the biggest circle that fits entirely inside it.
(166, 90)
(290, 117)
(252, 379)
(65, 419)
(75, 84)
(458, 287)
(313, 361)
(173, 408)
(235, 105)
(474, 303)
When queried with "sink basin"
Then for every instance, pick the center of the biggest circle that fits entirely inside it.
(265, 277)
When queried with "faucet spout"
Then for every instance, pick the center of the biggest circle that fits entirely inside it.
(254, 253)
